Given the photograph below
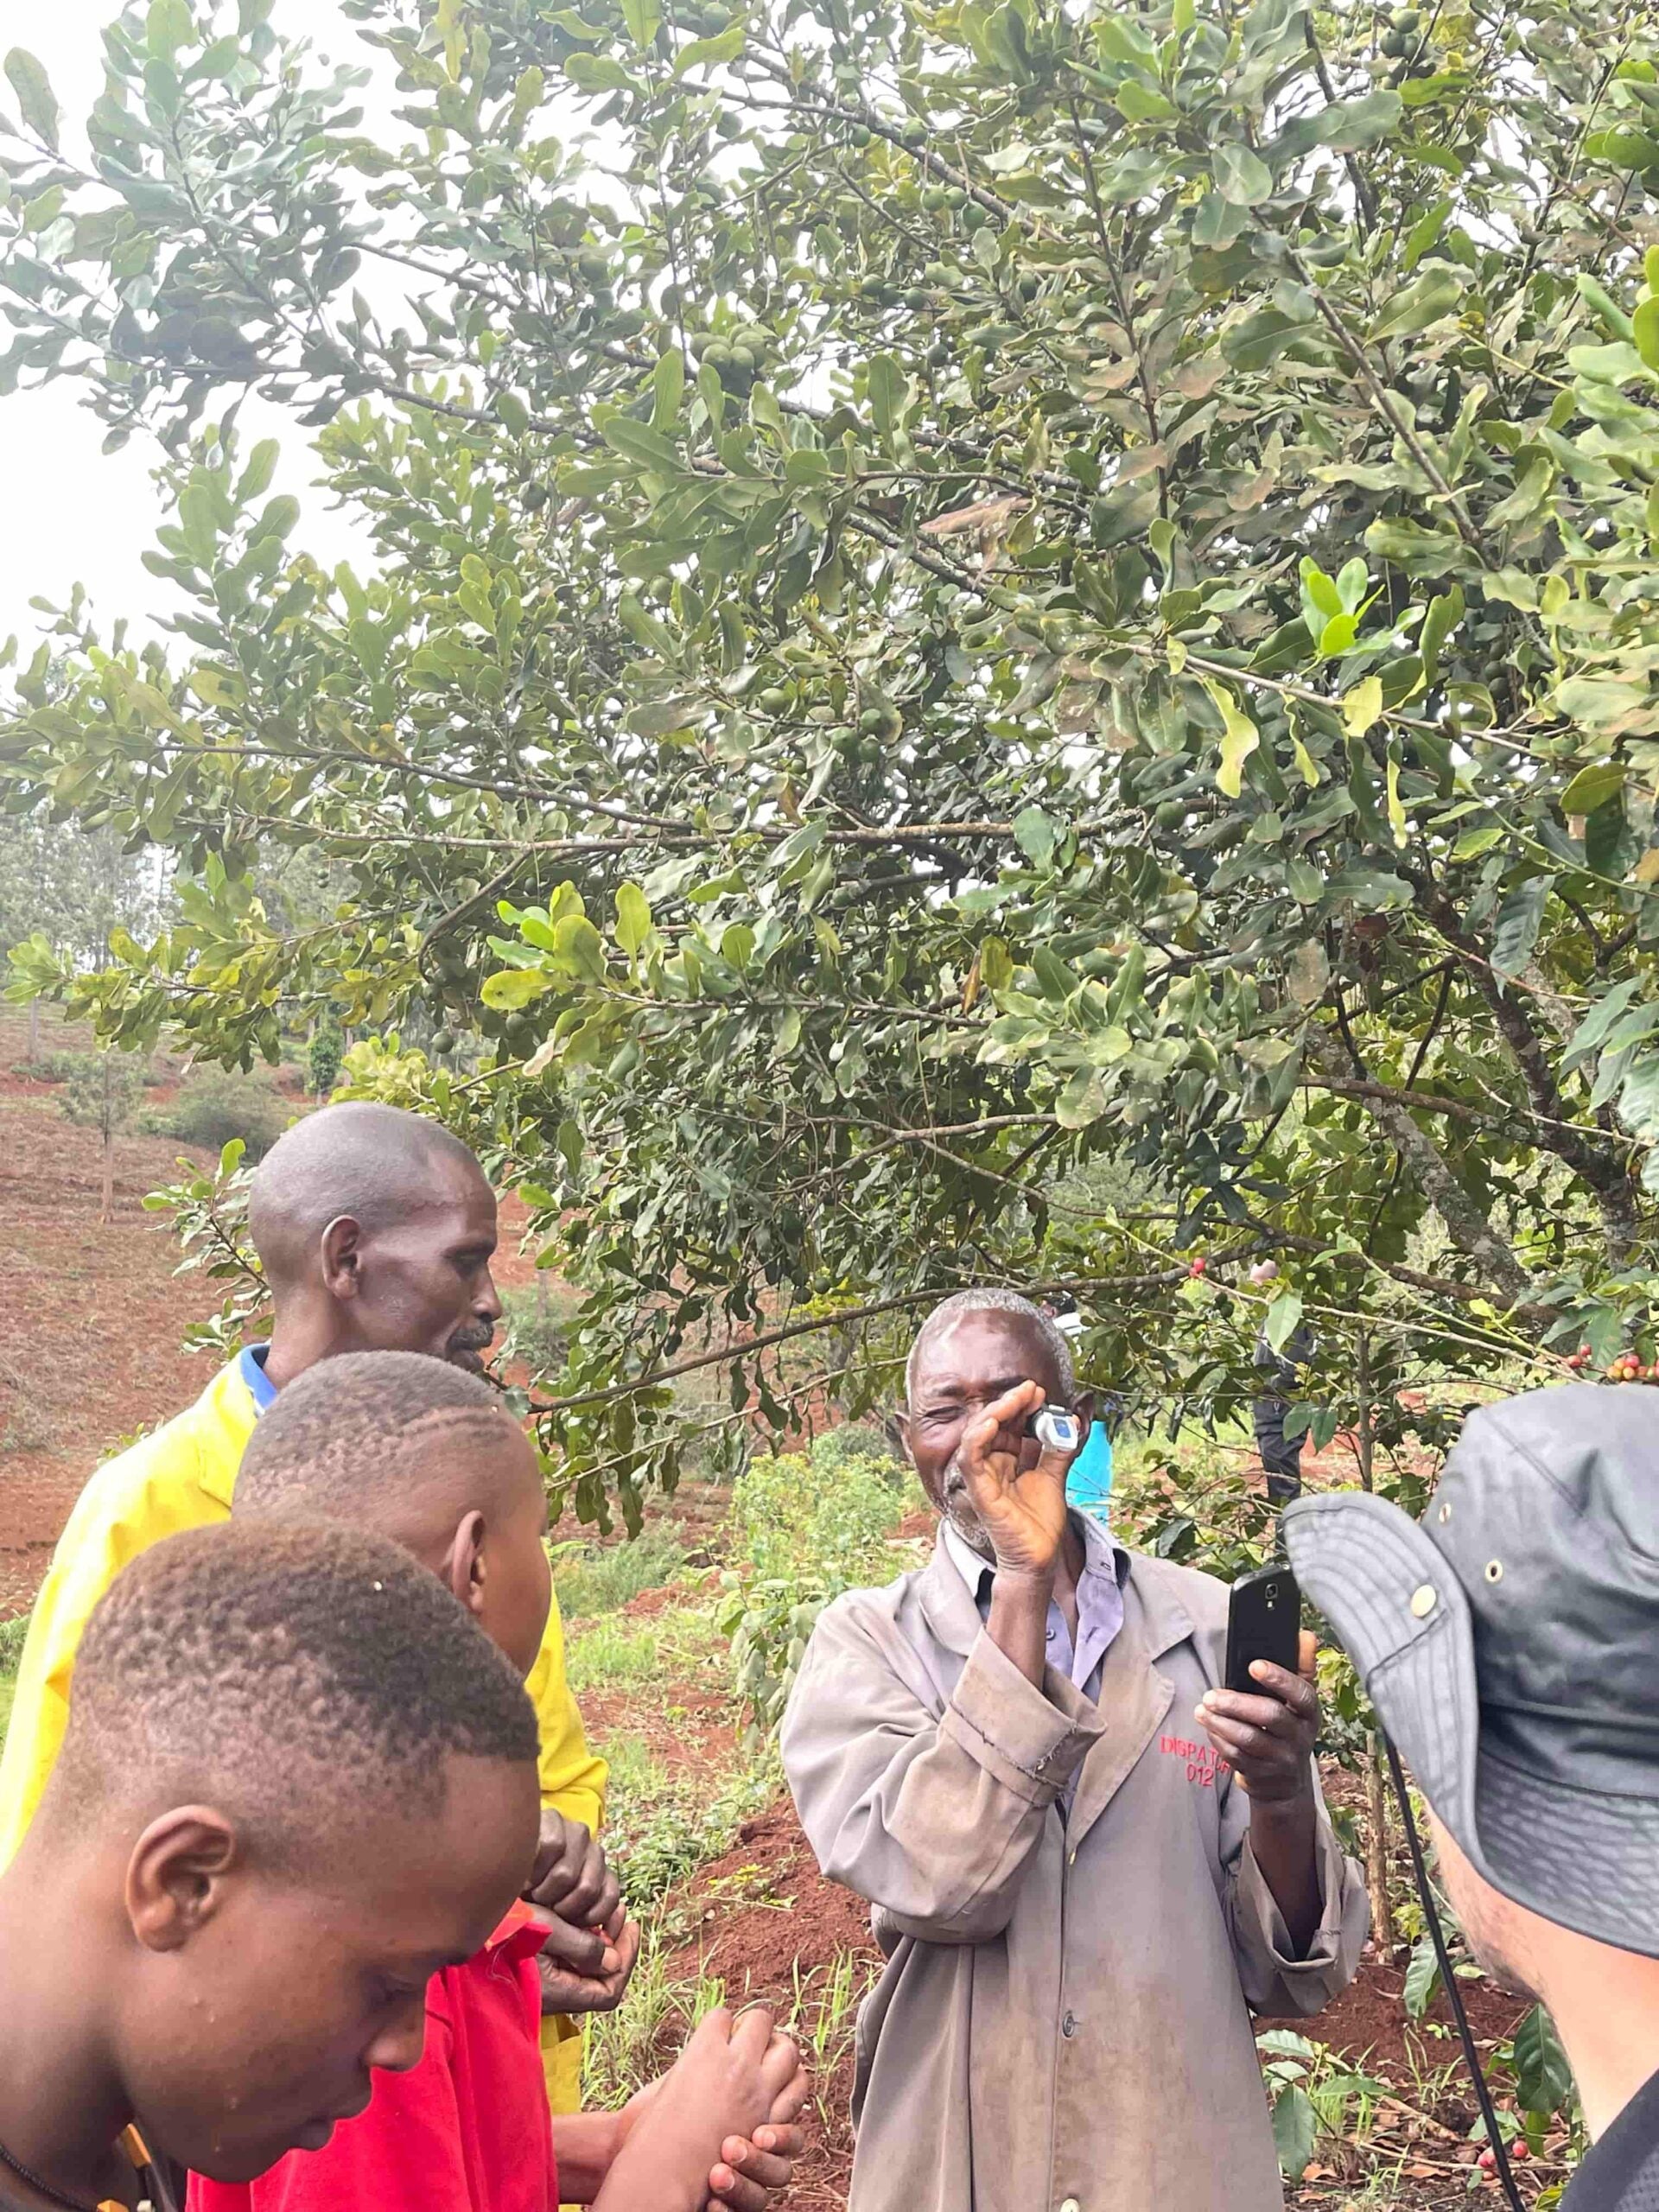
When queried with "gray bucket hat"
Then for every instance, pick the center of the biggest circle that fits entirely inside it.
(1511, 1645)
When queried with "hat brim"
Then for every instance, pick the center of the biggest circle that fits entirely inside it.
(1584, 1860)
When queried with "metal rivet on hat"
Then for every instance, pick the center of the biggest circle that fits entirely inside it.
(1494, 1570)
(1446, 1513)
(1423, 1599)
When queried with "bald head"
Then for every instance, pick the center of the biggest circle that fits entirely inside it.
(375, 1229)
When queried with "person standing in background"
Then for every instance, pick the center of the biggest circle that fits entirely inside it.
(1089, 1480)
(1281, 1456)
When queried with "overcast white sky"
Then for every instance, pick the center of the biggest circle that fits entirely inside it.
(73, 513)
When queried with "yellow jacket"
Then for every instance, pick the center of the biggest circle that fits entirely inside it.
(183, 1477)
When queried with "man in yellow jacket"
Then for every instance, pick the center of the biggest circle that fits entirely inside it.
(376, 1229)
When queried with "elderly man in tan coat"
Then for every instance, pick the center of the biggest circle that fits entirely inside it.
(1089, 1861)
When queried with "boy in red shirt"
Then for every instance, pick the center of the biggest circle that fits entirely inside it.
(415, 1449)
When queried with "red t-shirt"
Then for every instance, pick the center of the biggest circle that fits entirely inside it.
(468, 2130)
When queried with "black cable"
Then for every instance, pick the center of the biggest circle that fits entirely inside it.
(1454, 1995)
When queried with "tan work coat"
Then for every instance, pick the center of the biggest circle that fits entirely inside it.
(1063, 2022)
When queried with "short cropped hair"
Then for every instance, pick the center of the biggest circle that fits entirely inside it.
(342, 1438)
(301, 1678)
(962, 1302)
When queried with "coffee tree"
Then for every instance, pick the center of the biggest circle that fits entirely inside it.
(1008, 641)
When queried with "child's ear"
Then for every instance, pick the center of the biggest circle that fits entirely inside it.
(176, 1875)
(463, 1568)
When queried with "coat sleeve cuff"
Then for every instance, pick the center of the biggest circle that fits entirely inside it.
(1031, 1740)
(1329, 1963)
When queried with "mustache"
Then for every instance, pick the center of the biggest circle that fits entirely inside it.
(479, 1338)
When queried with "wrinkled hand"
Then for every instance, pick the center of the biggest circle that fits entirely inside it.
(717, 2128)
(587, 1969)
(1268, 1739)
(750, 2169)
(570, 1876)
(1017, 1489)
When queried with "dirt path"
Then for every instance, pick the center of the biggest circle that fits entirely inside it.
(91, 1316)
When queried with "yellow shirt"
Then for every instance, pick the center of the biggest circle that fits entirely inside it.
(183, 1477)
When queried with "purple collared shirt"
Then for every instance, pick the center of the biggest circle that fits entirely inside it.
(1100, 1602)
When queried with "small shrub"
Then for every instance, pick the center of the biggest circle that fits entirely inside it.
(28, 1428)
(807, 1526)
(539, 1326)
(614, 1654)
(215, 1105)
(100, 1089)
(588, 1578)
(328, 1049)
(830, 1509)
(13, 1634)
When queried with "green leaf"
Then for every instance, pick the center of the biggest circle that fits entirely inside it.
(1373, 889)
(1305, 884)
(644, 20)
(220, 58)
(597, 73)
(255, 479)
(1139, 103)
(1592, 787)
(1591, 1033)
(1034, 833)
(580, 949)
(668, 389)
(705, 53)
(34, 90)
(1240, 738)
(1243, 178)
(1425, 234)
(1444, 614)
(1284, 1317)
(887, 385)
(1597, 701)
(1644, 331)
(1437, 293)
(1519, 920)
(1363, 706)
(633, 918)
(638, 442)
(1543, 2080)
(1396, 806)
(510, 989)
(1351, 126)
(1422, 1977)
(527, 96)
(1120, 38)
(1083, 1099)
(1295, 2131)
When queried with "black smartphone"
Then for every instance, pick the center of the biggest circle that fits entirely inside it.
(1264, 1619)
